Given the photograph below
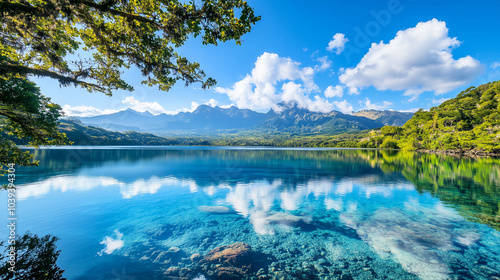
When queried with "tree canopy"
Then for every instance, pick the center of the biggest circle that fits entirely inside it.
(38, 37)
(468, 122)
(26, 114)
(88, 43)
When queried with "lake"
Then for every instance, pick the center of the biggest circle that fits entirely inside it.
(157, 212)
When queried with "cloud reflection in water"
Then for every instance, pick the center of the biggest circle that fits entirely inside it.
(413, 235)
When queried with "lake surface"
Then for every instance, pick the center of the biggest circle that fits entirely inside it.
(134, 213)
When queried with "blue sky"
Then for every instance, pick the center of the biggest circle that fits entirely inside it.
(328, 55)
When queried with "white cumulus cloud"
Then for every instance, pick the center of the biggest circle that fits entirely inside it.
(131, 102)
(153, 107)
(353, 91)
(337, 43)
(260, 90)
(212, 102)
(344, 106)
(336, 91)
(325, 63)
(368, 105)
(418, 59)
(85, 111)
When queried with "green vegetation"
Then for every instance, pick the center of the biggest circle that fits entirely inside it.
(39, 35)
(469, 122)
(80, 134)
(286, 139)
(42, 38)
(89, 135)
(26, 114)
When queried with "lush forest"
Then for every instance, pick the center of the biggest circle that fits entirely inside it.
(470, 122)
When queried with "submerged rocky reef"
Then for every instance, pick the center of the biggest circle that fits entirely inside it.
(415, 242)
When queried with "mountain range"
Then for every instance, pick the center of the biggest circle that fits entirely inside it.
(208, 120)
(386, 117)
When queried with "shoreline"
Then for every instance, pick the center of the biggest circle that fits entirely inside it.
(460, 153)
(456, 153)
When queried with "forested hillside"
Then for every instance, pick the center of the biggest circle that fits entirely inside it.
(470, 122)
(89, 135)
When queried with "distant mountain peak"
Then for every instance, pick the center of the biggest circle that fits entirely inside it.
(386, 117)
(203, 108)
(129, 110)
(144, 114)
(288, 116)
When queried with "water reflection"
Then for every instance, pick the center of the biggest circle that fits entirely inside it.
(367, 213)
(257, 200)
(111, 244)
(83, 183)
(472, 186)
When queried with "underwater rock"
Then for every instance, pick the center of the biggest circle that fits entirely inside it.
(287, 219)
(162, 233)
(235, 254)
(195, 257)
(162, 258)
(230, 261)
(180, 273)
(229, 272)
(216, 209)
(174, 250)
(173, 255)
(262, 222)
(153, 255)
(260, 272)
(173, 272)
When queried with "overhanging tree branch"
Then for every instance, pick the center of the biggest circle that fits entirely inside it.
(36, 38)
(6, 69)
(13, 7)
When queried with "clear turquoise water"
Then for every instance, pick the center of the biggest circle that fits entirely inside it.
(335, 214)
